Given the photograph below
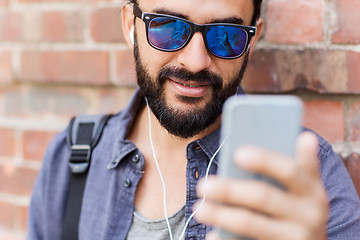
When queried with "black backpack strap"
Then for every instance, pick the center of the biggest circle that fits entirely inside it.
(83, 135)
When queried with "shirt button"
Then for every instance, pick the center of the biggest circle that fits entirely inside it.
(196, 174)
(127, 183)
(136, 158)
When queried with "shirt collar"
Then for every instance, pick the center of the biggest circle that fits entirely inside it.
(125, 120)
(210, 144)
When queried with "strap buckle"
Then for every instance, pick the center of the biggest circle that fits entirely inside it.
(80, 158)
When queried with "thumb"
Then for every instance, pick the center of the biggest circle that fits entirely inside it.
(307, 148)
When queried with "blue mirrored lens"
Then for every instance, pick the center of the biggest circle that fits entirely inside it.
(167, 33)
(226, 41)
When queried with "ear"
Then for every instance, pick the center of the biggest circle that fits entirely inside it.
(128, 24)
(259, 31)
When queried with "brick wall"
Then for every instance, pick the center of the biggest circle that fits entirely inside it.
(63, 57)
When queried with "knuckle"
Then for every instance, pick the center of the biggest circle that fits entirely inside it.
(225, 194)
(243, 223)
(263, 197)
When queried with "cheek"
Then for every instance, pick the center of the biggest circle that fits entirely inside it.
(230, 69)
(152, 59)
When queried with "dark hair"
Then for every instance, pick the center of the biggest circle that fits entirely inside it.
(257, 11)
(256, 14)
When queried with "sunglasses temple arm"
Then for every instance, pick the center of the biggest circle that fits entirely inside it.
(137, 11)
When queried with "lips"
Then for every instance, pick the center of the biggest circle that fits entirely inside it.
(189, 89)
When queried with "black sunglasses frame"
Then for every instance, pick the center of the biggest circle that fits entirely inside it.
(148, 17)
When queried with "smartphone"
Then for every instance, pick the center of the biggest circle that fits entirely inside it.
(272, 122)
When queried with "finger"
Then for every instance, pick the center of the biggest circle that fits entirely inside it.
(266, 199)
(212, 236)
(244, 222)
(276, 166)
(256, 195)
(307, 159)
(307, 153)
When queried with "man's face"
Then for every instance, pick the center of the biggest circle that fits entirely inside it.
(186, 89)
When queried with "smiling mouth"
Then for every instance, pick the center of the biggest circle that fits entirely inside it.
(189, 88)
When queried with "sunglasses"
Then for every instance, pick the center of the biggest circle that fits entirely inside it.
(170, 34)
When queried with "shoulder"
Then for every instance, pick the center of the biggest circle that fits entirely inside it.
(326, 156)
(330, 162)
(56, 158)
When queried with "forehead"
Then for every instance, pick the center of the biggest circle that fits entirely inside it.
(203, 11)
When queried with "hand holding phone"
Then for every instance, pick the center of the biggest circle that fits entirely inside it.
(269, 122)
(275, 190)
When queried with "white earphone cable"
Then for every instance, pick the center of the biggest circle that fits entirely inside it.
(158, 168)
(163, 182)
(203, 200)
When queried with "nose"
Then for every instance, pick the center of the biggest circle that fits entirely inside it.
(195, 57)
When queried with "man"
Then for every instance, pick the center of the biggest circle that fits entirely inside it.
(171, 128)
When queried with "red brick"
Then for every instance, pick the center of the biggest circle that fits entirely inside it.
(316, 70)
(18, 180)
(52, 26)
(287, 70)
(125, 69)
(7, 142)
(326, 118)
(10, 26)
(35, 143)
(51, 101)
(5, 67)
(21, 217)
(295, 22)
(352, 163)
(261, 73)
(355, 122)
(61, 26)
(112, 100)
(4, 3)
(13, 217)
(348, 16)
(353, 63)
(7, 215)
(106, 25)
(65, 67)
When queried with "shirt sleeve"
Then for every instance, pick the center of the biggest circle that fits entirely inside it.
(344, 218)
(35, 216)
(48, 196)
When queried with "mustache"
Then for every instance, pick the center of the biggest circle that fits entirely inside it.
(202, 77)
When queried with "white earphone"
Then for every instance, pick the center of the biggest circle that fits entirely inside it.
(132, 35)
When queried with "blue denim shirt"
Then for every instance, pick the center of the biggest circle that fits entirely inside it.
(116, 168)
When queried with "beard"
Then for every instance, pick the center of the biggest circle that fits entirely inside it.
(185, 123)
